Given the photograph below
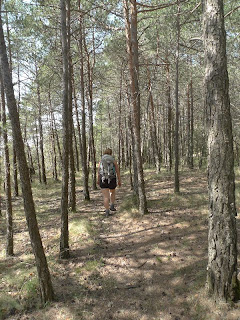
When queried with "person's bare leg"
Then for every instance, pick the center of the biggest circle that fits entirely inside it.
(105, 193)
(112, 199)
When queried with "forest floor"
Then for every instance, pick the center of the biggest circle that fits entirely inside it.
(123, 267)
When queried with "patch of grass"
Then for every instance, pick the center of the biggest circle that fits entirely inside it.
(181, 200)
(93, 265)
(129, 205)
(21, 286)
(79, 227)
(30, 294)
(8, 305)
(159, 259)
(90, 266)
(200, 312)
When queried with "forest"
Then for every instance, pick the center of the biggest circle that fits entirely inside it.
(158, 83)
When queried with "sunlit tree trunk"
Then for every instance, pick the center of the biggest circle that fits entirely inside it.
(90, 111)
(191, 164)
(53, 138)
(176, 147)
(222, 271)
(43, 171)
(8, 193)
(84, 138)
(77, 117)
(153, 127)
(46, 289)
(72, 187)
(132, 49)
(169, 116)
(64, 239)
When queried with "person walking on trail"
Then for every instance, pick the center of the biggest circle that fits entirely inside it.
(108, 179)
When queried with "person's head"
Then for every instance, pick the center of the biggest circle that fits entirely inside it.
(108, 151)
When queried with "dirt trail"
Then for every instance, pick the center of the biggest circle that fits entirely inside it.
(128, 268)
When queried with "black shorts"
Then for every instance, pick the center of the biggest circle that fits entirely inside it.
(111, 185)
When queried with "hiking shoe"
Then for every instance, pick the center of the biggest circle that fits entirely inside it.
(107, 212)
(112, 207)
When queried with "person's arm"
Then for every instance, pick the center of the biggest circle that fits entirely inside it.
(118, 173)
(98, 174)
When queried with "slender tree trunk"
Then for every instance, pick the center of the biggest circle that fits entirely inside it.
(153, 128)
(46, 289)
(90, 111)
(191, 164)
(132, 153)
(222, 271)
(72, 193)
(188, 125)
(0, 164)
(74, 98)
(53, 139)
(9, 215)
(84, 142)
(44, 179)
(36, 142)
(64, 239)
(176, 176)
(15, 179)
(57, 140)
(77, 117)
(132, 48)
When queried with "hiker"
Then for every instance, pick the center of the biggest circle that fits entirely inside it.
(108, 179)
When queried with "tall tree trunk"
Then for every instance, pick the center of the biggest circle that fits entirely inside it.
(53, 139)
(44, 179)
(222, 237)
(64, 239)
(90, 111)
(84, 138)
(9, 217)
(176, 175)
(0, 165)
(72, 193)
(191, 164)
(57, 140)
(36, 142)
(132, 48)
(15, 171)
(132, 152)
(76, 150)
(153, 128)
(46, 289)
(77, 117)
(188, 125)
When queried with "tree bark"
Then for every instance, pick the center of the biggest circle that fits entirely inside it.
(46, 289)
(36, 142)
(132, 49)
(64, 239)
(90, 111)
(43, 171)
(72, 188)
(169, 117)
(84, 142)
(53, 139)
(222, 279)
(8, 193)
(191, 164)
(15, 170)
(176, 171)
(77, 117)
(153, 127)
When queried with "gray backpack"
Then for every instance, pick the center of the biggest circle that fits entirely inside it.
(107, 168)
